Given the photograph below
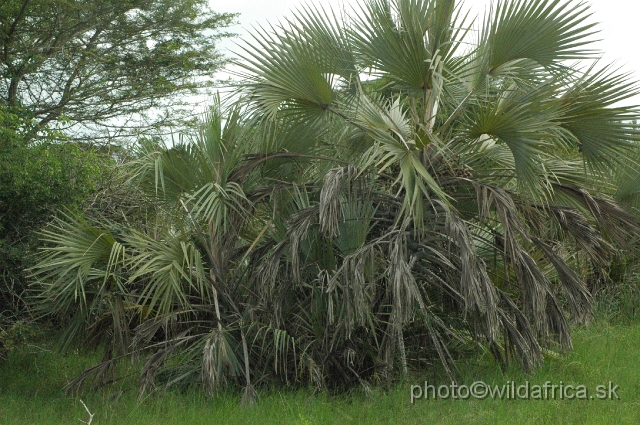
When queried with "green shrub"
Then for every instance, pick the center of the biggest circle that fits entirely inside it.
(38, 176)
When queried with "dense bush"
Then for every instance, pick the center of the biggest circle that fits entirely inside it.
(336, 228)
(36, 179)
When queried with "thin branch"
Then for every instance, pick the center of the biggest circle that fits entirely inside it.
(91, 415)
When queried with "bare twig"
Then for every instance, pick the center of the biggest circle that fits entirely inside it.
(91, 415)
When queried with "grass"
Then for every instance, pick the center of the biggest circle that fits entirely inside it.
(31, 381)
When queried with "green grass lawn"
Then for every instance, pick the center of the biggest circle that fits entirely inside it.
(31, 381)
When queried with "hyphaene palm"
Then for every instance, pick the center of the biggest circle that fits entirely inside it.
(389, 187)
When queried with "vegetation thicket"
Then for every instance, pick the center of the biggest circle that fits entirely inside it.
(74, 77)
(383, 195)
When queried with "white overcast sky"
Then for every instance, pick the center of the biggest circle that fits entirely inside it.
(619, 23)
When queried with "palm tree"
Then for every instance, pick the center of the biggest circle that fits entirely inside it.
(383, 193)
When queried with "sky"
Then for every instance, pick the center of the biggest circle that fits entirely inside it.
(619, 24)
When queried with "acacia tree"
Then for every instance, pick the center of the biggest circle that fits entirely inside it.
(105, 64)
(382, 195)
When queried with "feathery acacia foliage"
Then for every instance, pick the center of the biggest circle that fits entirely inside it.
(382, 195)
